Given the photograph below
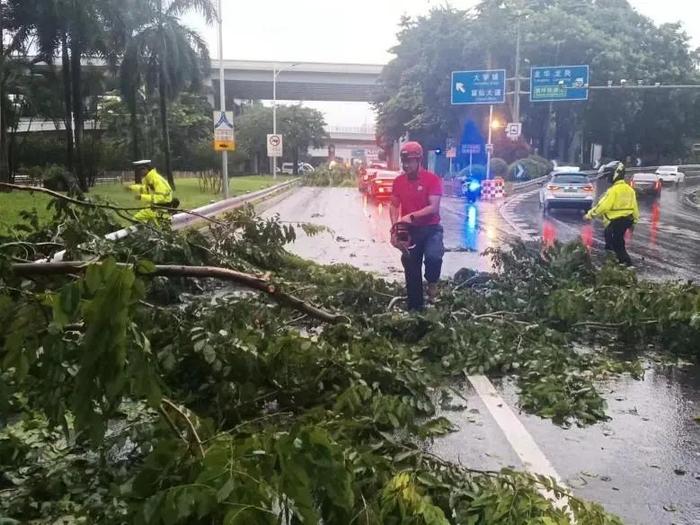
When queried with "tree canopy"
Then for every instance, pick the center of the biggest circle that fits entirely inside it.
(614, 39)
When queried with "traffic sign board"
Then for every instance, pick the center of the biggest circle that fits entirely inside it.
(274, 145)
(514, 129)
(471, 149)
(479, 87)
(451, 148)
(224, 138)
(559, 83)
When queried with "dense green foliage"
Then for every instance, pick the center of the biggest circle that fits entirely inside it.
(617, 42)
(130, 398)
(338, 175)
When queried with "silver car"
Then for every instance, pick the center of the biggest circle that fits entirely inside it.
(572, 190)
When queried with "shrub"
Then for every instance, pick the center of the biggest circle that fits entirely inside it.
(534, 165)
(499, 168)
(478, 171)
(56, 178)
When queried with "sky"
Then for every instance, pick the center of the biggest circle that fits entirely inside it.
(359, 31)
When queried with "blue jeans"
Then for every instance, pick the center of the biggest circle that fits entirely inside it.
(428, 246)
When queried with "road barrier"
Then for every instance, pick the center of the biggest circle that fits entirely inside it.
(493, 189)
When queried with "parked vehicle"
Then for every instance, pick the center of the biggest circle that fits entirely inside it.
(303, 167)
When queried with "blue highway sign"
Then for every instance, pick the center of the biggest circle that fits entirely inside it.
(479, 87)
(559, 83)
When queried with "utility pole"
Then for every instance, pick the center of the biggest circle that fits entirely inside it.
(222, 98)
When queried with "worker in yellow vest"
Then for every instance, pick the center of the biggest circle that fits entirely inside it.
(619, 211)
(153, 188)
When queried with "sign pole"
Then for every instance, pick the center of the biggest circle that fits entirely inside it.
(222, 93)
(489, 146)
(274, 116)
(516, 94)
(470, 163)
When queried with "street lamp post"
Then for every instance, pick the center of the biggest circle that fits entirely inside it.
(493, 124)
(489, 146)
(275, 73)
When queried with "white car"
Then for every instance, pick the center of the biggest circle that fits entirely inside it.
(566, 169)
(572, 190)
(670, 174)
(303, 167)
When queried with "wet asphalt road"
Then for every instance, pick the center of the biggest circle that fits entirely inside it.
(665, 243)
(643, 464)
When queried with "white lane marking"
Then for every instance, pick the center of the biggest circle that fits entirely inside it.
(519, 438)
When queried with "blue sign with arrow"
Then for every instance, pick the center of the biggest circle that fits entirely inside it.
(479, 87)
(559, 83)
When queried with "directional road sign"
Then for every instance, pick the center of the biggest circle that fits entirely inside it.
(479, 87)
(224, 139)
(471, 149)
(274, 145)
(559, 83)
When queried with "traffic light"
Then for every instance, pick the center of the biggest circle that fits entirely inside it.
(438, 151)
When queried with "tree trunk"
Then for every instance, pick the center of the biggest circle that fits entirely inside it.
(135, 149)
(165, 129)
(273, 290)
(295, 160)
(162, 93)
(4, 167)
(76, 54)
(67, 91)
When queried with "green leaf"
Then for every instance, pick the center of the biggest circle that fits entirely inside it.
(225, 491)
(144, 266)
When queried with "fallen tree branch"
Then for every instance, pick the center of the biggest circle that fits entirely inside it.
(394, 301)
(190, 425)
(224, 274)
(613, 326)
(90, 204)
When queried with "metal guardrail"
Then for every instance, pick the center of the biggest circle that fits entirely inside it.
(519, 187)
(184, 220)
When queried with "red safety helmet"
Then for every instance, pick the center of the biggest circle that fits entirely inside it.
(412, 150)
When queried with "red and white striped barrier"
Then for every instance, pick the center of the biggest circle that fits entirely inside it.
(493, 189)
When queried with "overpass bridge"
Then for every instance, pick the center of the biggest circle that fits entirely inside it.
(252, 80)
(317, 81)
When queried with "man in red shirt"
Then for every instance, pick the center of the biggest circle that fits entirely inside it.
(415, 215)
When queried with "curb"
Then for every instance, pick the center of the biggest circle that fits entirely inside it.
(688, 201)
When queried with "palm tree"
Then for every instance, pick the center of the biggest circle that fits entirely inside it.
(168, 58)
(71, 29)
